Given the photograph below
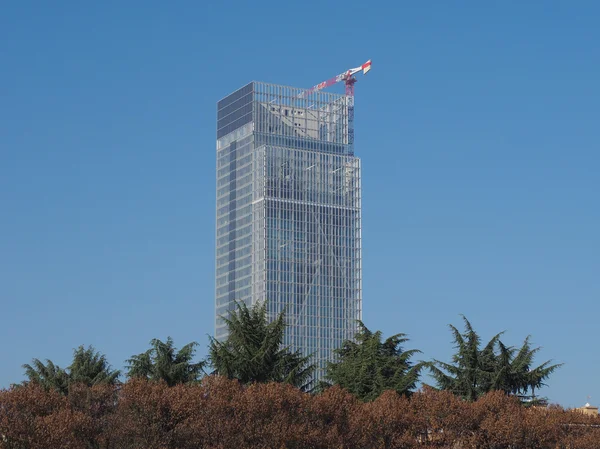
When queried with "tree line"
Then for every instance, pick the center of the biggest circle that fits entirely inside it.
(366, 366)
(252, 391)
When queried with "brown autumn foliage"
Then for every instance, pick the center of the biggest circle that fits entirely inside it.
(33, 418)
(221, 414)
(442, 418)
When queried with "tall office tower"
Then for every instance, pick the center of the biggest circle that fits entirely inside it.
(289, 213)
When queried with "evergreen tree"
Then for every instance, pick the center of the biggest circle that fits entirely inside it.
(88, 367)
(368, 366)
(163, 362)
(515, 373)
(472, 370)
(91, 368)
(475, 371)
(254, 351)
(49, 375)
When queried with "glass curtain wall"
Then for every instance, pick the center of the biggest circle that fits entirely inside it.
(289, 213)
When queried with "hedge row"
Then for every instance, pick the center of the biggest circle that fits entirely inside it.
(219, 413)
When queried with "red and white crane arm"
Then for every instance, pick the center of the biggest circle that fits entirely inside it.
(347, 77)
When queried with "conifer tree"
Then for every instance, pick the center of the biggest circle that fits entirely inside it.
(254, 350)
(163, 362)
(368, 366)
(88, 367)
(475, 371)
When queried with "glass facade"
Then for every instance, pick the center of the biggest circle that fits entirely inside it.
(288, 225)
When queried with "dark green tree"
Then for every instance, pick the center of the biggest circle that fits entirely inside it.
(471, 373)
(368, 366)
(48, 375)
(475, 371)
(515, 373)
(254, 351)
(88, 367)
(163, 362)
(91, 368)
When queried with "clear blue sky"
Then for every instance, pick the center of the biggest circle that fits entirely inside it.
(478, 130)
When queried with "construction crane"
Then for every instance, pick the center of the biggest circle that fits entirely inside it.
(347, 77)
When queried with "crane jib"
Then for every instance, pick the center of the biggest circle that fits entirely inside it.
(347, 76)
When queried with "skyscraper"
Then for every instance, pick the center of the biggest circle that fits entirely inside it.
(288, 213)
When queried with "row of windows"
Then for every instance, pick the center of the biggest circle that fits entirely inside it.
(234, 250)
(238, 263)
(242, 147)
(322, 262)
(332, 293)
(240, 212)
(326, 332)
(227, 275)
(311, 236)
(239, 242)
(286, 207)
(241, 92)
(302, 159)
(225, 226)
(311, 231)
(233, 125)
(314, 313)
(300, 142)
(346, 198)
(316, 341)
(309, 318)
(230, 175)
(235, 185)
(239, 284)
(297, 212)
(303, 240)
(232, 275)
(302, 151)
(237, 135)
(294, 96)
(234, 110)
(227, 300)
(241, 162)
(329, 276)
(285, 178)
(241, 294)
(323, 257)
(234, 255)
(316, 296)
(239, 193)
(238, 158)
(321, 278)
(347, 195)
(237, 205)
(236, 182)
(235, 150)
(320, 258)
(335, 132)
(282, 249)
(239, 226)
